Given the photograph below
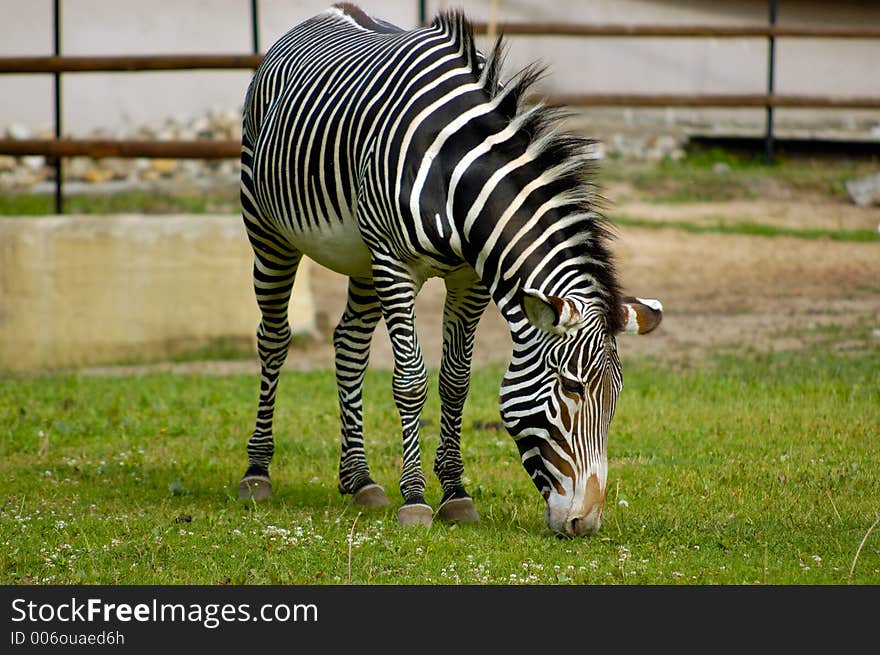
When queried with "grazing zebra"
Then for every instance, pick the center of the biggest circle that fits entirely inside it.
(393, 156)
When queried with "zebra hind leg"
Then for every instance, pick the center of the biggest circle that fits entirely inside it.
(461, 314)
(351, 342)
(273, 283)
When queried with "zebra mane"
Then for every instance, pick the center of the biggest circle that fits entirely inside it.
(567, 155)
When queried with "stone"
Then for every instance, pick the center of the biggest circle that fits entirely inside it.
(98, 175)
(34, 162)
(163, 167)
(18, 131)
(76, 168)
(864, 191)
(665, 144)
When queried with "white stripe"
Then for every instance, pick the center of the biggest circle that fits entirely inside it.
(434, 149)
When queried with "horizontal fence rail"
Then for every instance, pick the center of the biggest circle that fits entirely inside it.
(58, 148)
(721, 31)
(125, 64)
(98, 148)
(226, 149)
(713, 100)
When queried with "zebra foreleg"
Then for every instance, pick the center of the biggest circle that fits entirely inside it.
(351, 341)
(273, 282)
(461, 314)
(397, 291)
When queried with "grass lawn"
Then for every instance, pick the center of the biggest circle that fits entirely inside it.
(737, 469)
(711, 174)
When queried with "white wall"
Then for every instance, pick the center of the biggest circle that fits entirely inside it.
(112, 27)
(642, 65)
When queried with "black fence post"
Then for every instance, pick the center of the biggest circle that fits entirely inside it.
(771, 66)
(423, 13)
(59, 197)
(255, 26)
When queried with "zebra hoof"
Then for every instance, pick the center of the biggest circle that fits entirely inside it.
(255, 487)
(415, 514)
(459, 509)
(370, 495)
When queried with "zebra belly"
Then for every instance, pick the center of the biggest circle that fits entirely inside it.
(338, 246)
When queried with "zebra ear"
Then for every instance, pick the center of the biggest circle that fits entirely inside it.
(550, 313)
(640, 315)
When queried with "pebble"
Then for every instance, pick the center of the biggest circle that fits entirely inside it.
(17, 131)
(33, 172)
(864, 191)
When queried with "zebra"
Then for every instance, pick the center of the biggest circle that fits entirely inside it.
(392, 156)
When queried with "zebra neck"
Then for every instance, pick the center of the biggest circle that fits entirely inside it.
(522, 224)
(551, 260)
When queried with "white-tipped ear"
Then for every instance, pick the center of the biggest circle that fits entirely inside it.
(550, 313)
(640, 315)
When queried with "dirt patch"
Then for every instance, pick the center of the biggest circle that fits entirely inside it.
(719, 291)
(725, 291)
(793, 215)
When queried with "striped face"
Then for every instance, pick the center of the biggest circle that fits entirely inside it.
(560, 422)
(557, 401)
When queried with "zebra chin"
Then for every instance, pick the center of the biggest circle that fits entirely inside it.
(570, 516)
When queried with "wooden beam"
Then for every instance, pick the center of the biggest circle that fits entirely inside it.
(98, 148)
(128, 64)
(708, 100)
(719, 31)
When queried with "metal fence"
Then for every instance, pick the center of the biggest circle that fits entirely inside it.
(58, 148)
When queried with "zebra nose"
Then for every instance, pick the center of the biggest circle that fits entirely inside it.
(583, 526)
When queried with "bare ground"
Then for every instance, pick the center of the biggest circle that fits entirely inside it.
(720, 292)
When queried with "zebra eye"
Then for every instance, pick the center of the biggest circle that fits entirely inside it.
(572, 386)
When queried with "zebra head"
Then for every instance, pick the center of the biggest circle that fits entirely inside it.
(558, 397)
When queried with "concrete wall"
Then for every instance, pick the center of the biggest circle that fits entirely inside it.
(643, 65)
(80, 290)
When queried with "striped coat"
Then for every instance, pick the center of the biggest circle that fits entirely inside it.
(393, 156)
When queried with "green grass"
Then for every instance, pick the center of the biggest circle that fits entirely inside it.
(695, 177)
(748, 228)
(746, 469)
(184, 200)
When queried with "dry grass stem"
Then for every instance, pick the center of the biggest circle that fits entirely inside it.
(833, 506)
(859, 549)
(350, 540)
